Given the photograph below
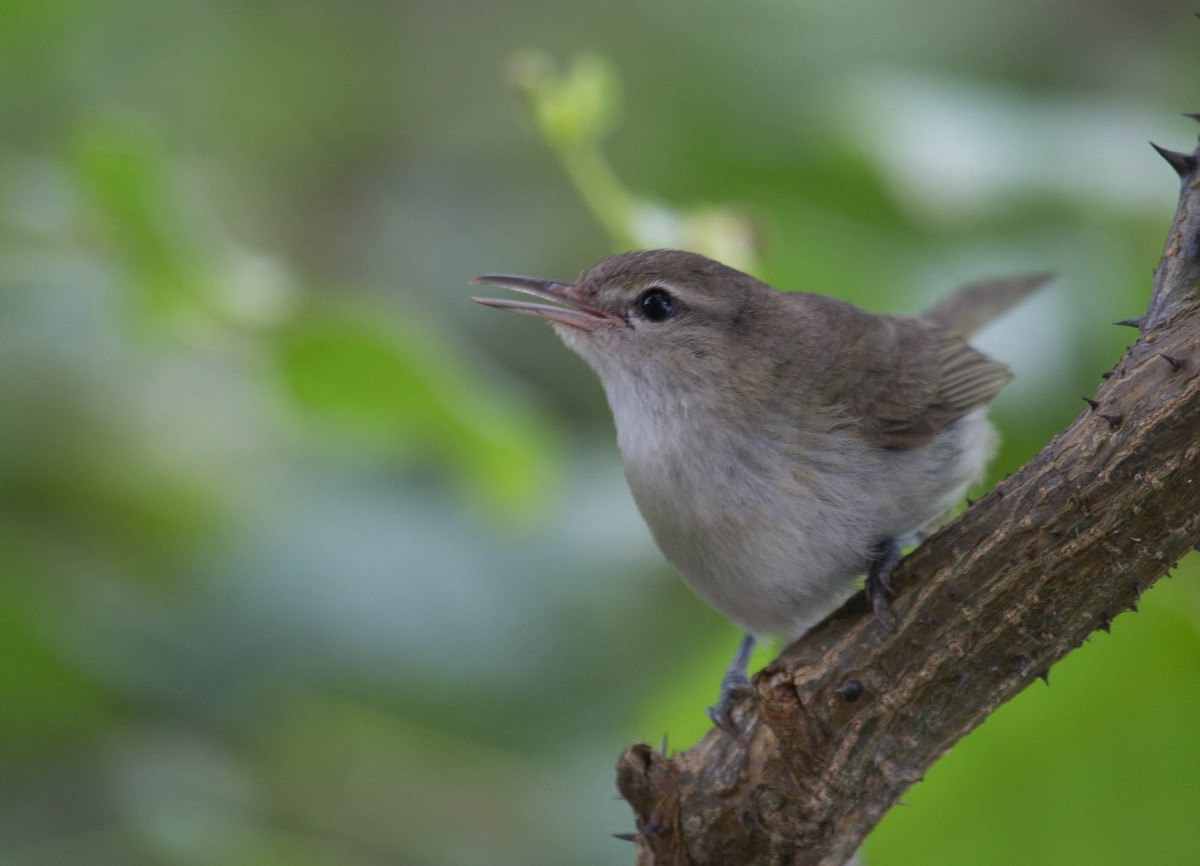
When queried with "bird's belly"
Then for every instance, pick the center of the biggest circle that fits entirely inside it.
(774, 542)
(777, 580)
(773, 557)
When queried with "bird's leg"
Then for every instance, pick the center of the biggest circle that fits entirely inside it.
(734, 685)
(884, 557)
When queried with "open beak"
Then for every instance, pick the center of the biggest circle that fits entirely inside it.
(573, 312)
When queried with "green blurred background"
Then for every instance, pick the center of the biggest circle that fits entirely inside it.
(304, 559)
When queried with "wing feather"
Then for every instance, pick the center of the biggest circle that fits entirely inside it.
(926, 379)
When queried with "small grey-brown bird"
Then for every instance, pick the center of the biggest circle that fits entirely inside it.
(779, 444)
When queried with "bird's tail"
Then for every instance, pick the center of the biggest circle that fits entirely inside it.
(976, 304)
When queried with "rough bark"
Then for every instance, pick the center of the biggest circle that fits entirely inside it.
(853, 714)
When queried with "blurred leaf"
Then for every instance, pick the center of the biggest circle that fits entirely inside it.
(45, 700)
(404, 386)
(574, 109)
(125, 177)
(572, 112)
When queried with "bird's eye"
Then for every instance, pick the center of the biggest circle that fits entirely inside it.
(656, 304)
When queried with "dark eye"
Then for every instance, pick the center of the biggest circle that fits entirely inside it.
(656, 304)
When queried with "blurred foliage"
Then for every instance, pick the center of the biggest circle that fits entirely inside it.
(307, 560)
(573, 112)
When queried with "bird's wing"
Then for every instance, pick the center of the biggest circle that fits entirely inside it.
(918, 378)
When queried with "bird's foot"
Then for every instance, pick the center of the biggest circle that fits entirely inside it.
(734, 687)
(879, 576)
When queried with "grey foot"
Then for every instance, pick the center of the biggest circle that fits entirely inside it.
(734, 687)
(879, 575)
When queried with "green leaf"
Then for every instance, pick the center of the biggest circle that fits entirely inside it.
(406, 387)
(46, 700)
(575, 108)
(139, 217)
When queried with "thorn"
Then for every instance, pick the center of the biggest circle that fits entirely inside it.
(1194, 116)
(1135, 322)
(1106, 623)
(970, 501)
(626, 837)
(1138, 589)
(1133, 607)
(1176, 363)
(1107, 374)
(1183, 163)
(1044, 676)
(851, 690)
(1114, 420)
(663, 748)
(1094, 404)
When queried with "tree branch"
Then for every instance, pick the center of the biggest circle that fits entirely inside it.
(852, 714)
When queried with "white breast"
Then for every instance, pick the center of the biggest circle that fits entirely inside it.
(773, 535)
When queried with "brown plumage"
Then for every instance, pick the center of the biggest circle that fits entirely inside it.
(779, 443)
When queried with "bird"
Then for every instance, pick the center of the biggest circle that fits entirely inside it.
(780, 445)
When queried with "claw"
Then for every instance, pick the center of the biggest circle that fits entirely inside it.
(878, 606)
(879, 578)
(734, 687)
(720, 716)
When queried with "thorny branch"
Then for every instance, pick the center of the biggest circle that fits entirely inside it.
(853, 714)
